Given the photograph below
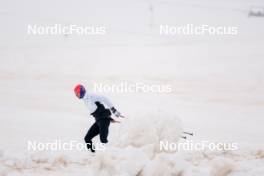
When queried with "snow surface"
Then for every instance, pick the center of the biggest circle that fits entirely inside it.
(217, 81)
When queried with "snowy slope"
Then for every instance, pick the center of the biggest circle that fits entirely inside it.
(217, 86)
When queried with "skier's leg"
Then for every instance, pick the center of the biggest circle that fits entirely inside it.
(92, 132)
(103, 128)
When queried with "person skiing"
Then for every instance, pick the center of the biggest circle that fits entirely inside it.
(96, 105)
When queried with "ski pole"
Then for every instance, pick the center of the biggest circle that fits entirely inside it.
(114, 121)
(184, 137)
(122, 116)
(191, 134)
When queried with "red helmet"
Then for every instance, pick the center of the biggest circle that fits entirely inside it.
(79, 91)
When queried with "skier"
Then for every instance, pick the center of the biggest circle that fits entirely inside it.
(102, 115)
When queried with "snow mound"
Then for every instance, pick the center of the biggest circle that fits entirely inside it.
(134, 150)
(131, 161)
(166, 164)
(222, 167)
(132, 147)
(148, 130)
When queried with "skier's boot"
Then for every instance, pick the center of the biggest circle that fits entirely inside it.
(90, 146)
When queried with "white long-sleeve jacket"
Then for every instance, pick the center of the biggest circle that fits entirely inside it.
(91, 99)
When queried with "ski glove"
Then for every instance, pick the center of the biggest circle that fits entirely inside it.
(115, 112)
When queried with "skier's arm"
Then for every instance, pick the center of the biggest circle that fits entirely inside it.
(117, 114)
(106, 101)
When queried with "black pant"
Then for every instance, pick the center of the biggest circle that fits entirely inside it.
(99, 127)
